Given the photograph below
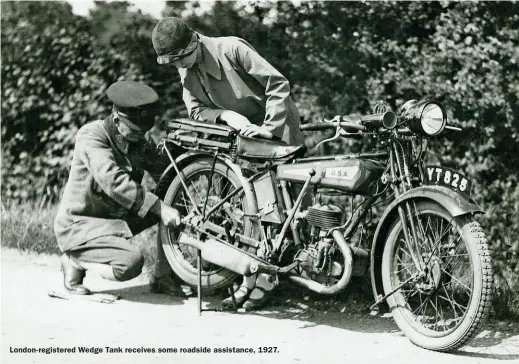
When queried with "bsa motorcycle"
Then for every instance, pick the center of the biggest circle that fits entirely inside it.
(253, 205)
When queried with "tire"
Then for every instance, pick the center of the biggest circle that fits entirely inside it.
(459, 303)
(181, 258)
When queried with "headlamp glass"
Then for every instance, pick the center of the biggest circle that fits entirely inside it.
(432, 119)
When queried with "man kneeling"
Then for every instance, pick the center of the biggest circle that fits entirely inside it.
(104, 203)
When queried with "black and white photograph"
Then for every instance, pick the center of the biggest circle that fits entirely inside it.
(259, 181)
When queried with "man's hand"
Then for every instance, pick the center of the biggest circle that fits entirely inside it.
(169, 216)
(255, 130)
(241, 123)
(234, 120)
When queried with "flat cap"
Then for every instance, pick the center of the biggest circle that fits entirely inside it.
(173, 39)
(131, 94)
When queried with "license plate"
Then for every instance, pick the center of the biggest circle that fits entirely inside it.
(443, 176)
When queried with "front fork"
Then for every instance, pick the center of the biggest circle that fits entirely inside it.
(399, 167)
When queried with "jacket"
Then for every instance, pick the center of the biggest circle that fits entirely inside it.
(233, 76)
(103, 187)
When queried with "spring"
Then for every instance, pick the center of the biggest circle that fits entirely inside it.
(403, 164)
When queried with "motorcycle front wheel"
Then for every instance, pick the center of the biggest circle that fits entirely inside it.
(182, 258)
(445, 280)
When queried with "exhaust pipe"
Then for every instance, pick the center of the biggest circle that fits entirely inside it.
(346, 275)
(227, 256)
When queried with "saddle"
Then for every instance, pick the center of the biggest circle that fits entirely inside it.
(193, 134)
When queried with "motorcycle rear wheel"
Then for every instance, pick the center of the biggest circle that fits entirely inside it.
(182, 258)
(444, 309)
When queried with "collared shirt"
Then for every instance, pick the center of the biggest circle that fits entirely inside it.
(232, 76)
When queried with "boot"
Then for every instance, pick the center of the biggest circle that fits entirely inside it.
(261, 294)
(73, 276)
(240, 295)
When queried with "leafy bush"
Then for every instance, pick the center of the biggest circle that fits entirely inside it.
(53, 81)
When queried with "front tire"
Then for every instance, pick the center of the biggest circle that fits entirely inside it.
(444, 308)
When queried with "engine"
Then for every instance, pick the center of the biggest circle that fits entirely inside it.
(322, 260)
(319, 258)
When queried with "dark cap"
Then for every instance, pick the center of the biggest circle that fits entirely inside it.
(137, 101)
(172, 40)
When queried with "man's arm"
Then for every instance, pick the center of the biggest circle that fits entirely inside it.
(198, 110)
(99, 159)
(277, 87)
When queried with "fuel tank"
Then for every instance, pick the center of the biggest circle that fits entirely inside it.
(353, 175)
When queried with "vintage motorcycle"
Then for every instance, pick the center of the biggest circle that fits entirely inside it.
(246, 209)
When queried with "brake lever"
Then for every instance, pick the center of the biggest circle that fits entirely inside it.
(339, 131)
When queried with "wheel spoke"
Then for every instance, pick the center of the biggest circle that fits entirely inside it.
(456, 279)
(440, 299)
(198, 186)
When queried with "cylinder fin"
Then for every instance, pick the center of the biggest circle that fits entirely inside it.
(325, 216)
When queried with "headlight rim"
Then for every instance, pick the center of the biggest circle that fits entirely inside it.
(413, 116)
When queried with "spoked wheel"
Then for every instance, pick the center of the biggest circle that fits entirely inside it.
(183, 258)
(445, 280)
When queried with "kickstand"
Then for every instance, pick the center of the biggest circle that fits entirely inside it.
(199, 273)
(199, 290)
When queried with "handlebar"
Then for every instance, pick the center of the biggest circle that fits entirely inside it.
(316, 126)
(387, 120)
(330, 124)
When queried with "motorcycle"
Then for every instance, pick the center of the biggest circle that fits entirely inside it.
(253, 205)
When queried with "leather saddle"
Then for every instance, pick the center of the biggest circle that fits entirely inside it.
(256, 148)
(191, 132)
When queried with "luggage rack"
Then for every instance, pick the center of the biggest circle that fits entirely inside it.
(194, 134)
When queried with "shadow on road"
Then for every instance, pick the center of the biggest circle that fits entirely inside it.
(142, 294)
(348, 310)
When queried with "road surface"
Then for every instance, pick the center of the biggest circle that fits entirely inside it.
(302, 329)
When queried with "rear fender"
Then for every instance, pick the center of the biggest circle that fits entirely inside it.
(454, 203)
(185, 159)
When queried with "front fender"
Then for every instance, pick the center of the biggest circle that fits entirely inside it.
(453, 202)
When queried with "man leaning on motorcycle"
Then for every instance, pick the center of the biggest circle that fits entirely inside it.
(226, 81)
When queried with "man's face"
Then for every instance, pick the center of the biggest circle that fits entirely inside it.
(186, 62)
(130, 131)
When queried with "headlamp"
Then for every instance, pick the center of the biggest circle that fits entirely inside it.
(424, 117)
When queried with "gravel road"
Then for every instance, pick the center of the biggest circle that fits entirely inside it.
(302, 328)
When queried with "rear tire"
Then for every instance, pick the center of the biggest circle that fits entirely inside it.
(182, 258)
(458, 304)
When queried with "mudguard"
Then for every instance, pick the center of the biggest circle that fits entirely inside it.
(191, 156)
(453, 202)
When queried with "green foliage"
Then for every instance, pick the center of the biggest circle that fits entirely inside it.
(53, 81)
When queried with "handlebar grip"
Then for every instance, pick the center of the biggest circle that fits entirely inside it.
(352, 127)
(316, 126)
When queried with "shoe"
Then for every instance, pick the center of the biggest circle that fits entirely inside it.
(168, 285)
(261, 294)
(240, 296)
(73, 276)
